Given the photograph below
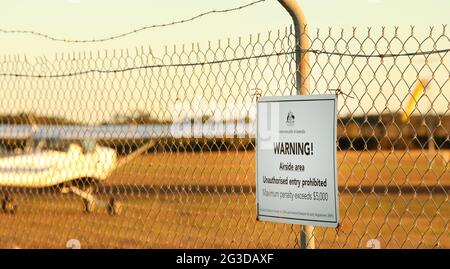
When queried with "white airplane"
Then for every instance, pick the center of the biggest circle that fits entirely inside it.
(66, 157)
(70, 165)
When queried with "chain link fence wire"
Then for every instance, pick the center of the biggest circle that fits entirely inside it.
(156, 149)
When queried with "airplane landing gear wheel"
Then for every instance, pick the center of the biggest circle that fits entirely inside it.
(89, 205)
(89, 201)
(8, 205)
(114, 206)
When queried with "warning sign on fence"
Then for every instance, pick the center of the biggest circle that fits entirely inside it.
(296, 173)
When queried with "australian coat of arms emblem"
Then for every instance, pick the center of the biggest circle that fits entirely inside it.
(290, 119)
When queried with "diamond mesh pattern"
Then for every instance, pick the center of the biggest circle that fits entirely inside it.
(181, 124)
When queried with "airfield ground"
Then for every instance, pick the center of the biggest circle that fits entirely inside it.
(356, 168)
(217, 219)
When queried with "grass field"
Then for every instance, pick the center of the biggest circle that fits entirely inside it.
(228, 220)
(356, 168)
(222, 221)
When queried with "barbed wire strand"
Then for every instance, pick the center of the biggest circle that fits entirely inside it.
(47, 36)
(378, 55)
(317, 52)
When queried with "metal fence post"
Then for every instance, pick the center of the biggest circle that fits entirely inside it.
(302, 84)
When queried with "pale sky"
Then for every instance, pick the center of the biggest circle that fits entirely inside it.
(87, 19)
(84, 19)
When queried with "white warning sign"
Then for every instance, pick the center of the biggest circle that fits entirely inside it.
(296, 173)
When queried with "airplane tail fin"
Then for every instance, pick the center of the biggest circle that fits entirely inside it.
(419, 89)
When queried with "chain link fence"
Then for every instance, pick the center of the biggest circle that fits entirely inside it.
(156, 148)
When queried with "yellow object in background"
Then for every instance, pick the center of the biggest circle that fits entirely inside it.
(420, 87)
